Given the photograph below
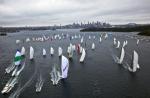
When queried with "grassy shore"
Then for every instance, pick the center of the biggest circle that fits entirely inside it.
(143, 30)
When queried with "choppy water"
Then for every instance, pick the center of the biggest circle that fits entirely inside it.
(98, 77)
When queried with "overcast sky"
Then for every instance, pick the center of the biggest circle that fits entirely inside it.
(50, 12)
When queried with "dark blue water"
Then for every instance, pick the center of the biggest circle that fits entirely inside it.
(98, 77)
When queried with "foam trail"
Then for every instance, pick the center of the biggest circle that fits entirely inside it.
(17, 93)
(10, 68)
(39, 84)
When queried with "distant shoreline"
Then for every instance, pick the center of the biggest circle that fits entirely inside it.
(143, 30)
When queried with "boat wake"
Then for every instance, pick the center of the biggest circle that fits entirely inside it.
(39, 83)
(21, 89)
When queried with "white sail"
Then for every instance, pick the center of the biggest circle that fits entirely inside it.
(93, 46)
(18, 41)
(55, 75)
(60, 51)
(121, 56)
(22, 51)
(81, 40)
(27, 39)
(124, 44)
(64, 66)
(115, 41)
(83, 55)
(44, 52)
(89, 37)
(106, 35)
(52, 51)
(100, 39)
(135, 61)
(137, 41)
(70, 51)
(118, 44)
(31, 52)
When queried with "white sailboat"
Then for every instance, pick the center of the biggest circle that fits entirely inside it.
(70, 51)
(89, 37)
(44, 52)
(55, 75)
(137, 41)
(22, 51)
(18, 41)
(60, 51)
(121, 56)
(52, 51)
(27, 39)
(93, 46)
(81, 40)
(64, 67)
(100, 39)
(31, 52)
(115, 41)
(124, 44)
(135, 64)
(118, 44)
(83, 55)
(106, 35)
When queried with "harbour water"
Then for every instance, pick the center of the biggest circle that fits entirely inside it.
(98, 77)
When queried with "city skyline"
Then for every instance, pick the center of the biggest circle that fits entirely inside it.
(56, 12)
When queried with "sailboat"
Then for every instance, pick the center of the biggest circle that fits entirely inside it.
(60, 51)
(135, 64)
(93, 46)
(137, 41)
(64, 67)
(18, 41)
(81, 40)
(100, 39)
(55, 75)
(28, 39)
(124, 44)
(121, 56)
(22, 51)
(115, 41)
(31, 53)
(106, 35)
(70, 51)
(89, 37)
(52, 51)
(44, 52)
(83, 55)
(118, 44)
